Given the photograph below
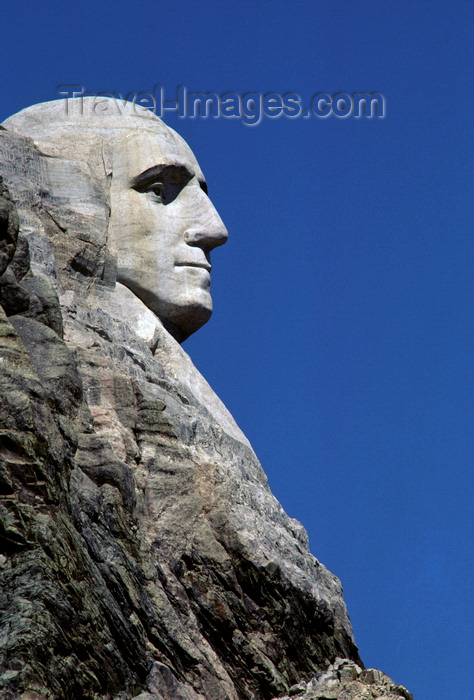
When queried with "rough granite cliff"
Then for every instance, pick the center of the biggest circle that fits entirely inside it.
(142, 552)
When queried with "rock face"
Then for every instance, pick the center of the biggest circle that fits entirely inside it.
(142, 552)
(345, 680)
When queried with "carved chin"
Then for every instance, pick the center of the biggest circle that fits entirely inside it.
(181, 317)
(185, 321)
(184, 317)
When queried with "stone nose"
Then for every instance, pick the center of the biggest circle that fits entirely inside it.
(206, 238)
(207, 230)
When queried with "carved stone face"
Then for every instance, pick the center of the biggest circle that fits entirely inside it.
(163, 227)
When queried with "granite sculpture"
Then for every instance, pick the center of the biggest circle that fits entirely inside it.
(143, 553)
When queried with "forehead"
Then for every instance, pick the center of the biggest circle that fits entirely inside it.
(137, 150)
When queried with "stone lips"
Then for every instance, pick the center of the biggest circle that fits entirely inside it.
(143, 552)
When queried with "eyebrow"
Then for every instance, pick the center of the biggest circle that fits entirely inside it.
(176, 173)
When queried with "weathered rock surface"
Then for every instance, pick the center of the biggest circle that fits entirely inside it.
(142, 552)
(345, 680)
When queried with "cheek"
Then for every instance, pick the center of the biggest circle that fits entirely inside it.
(124, 226)
(146, 232)
(161, 230)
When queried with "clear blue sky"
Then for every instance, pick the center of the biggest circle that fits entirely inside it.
(342, 334)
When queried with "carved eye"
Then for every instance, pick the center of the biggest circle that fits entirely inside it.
(158, 189)
(164, 186)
